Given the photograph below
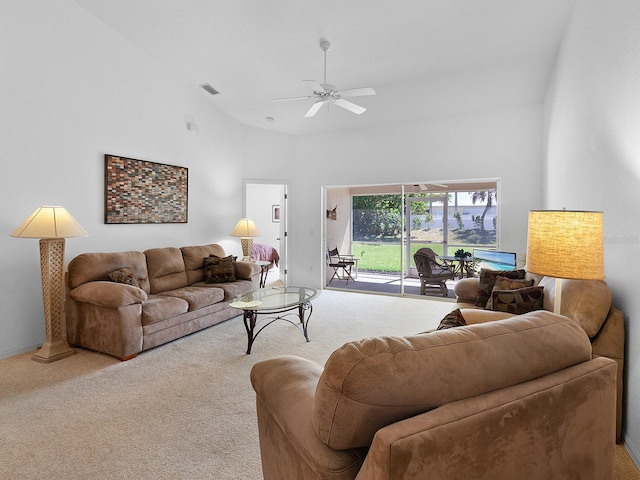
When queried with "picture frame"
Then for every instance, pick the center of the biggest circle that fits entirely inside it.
(140, 191)
(275, 213)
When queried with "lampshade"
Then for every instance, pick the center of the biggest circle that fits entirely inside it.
(245, 228)
(566, 244)
(49, 222)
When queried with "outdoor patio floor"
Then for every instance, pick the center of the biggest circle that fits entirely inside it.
(389, 284)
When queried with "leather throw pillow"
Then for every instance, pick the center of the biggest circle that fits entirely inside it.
(488, 280)
(219, 269)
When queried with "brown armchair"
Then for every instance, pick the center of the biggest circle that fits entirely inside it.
(517, 398)
(433, 271)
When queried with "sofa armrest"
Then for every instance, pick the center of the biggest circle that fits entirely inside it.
(108, 294)
(609, 342)
(246, 270)
(466, 290)
(290, 448)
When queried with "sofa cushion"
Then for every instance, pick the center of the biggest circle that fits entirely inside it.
(372, 383)
(166, 269)
(452, 320)
(219, 270)
(161, 307)
(505, 283)
(488, 279)
(518, 301)
(197, 297)
(90, 267)
(193, 256)
(230, 289)
(586, 301)
(125, 275)
(108, 294)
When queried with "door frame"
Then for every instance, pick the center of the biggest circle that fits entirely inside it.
(283, 221)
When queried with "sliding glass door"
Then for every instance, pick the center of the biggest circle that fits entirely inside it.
(382, 226)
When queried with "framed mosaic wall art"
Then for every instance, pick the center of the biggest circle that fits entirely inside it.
(138, 191)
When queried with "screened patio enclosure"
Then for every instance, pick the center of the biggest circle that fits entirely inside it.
(382, 226)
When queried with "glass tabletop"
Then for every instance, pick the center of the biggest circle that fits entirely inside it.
(274, 298)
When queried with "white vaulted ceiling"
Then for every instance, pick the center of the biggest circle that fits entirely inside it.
(424, 58)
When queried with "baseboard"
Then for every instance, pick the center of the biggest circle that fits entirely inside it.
(18, 351)
(634, 453)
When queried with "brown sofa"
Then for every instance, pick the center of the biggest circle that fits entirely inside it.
(588, 302)
(172, 300)
(520, 398)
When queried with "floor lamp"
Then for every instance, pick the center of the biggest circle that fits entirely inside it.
(246, 229)
(565, 244)
(51, 225)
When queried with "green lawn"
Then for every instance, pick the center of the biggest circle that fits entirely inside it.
(383, 257)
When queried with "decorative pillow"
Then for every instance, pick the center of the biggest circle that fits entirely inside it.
(451, 320)
(125, 275)
(219, 270)
(518, 301)
(504, 283)
(488, 279)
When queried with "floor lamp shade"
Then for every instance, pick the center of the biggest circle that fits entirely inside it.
(246, 229)
(51, 225)
(565, 244)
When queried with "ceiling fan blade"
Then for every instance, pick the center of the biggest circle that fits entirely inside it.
(316, 86)
(357, 92)
(292, 98)
(315, 107)
(423, 186)
(352, 107)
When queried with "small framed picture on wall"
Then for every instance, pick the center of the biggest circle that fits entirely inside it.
(275, 213)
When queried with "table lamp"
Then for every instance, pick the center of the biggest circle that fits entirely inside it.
(246, 230)
(51, 225)
(565, 244)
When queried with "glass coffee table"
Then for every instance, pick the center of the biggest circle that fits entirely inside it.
(275, 303)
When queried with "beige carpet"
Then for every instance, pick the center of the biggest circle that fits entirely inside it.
(182, 411)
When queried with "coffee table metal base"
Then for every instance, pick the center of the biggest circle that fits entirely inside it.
(251, 322)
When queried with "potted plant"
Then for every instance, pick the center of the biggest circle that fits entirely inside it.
(461, 254)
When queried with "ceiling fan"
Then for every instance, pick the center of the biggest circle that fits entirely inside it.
(325, 93)
(422, 187)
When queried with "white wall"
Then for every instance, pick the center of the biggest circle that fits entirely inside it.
(500, 143)
(72, 90)
(592, 119)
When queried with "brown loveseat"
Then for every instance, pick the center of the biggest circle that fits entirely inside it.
(588, 302)
(519, 398)
(172, 300)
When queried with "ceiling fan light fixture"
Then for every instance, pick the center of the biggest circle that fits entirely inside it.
(325, 92)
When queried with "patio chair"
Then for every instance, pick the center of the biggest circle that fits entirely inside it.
(340, 262)
(433, 271)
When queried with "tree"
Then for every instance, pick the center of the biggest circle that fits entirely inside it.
(379, 216)
(484, 196)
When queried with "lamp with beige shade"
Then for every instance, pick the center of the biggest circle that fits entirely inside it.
(246, 229)
(51, 225)
(565, 244)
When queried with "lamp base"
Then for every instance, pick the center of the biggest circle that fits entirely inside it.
(52, 351)
(247, 246)
(55, 346)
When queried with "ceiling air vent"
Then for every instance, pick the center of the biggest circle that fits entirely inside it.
(209, 89)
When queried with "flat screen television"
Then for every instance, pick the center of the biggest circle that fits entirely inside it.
(493, 260)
